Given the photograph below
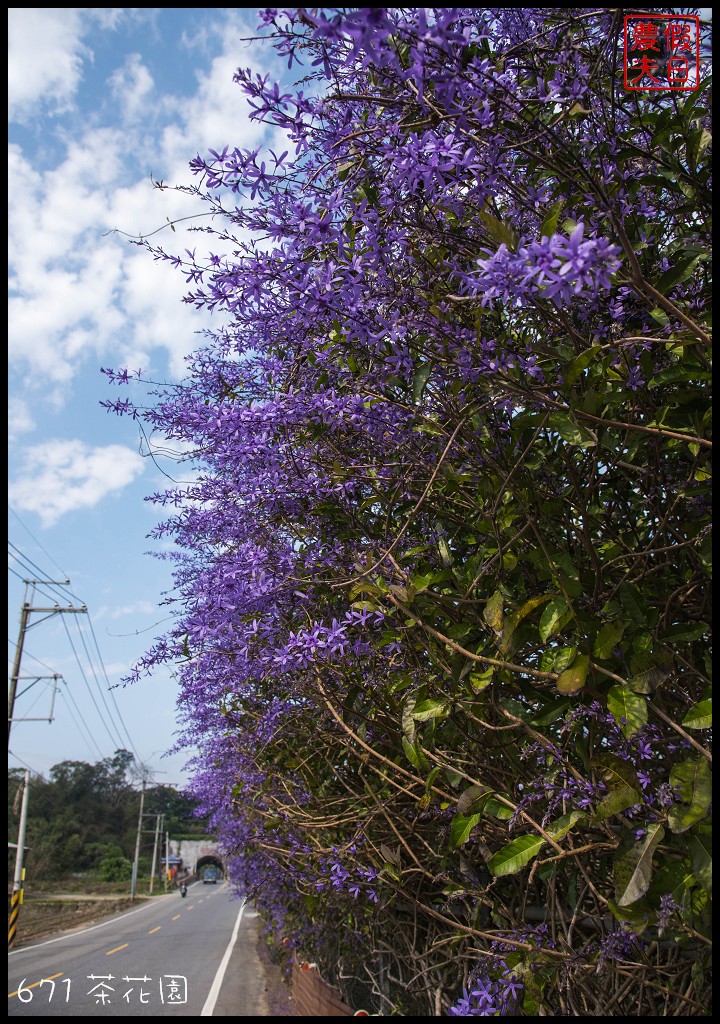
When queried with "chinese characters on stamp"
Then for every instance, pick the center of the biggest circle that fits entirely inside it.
(661, 51)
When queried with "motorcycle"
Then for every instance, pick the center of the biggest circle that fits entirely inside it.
(183, 890)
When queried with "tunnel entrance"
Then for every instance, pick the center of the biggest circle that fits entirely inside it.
(210, 869)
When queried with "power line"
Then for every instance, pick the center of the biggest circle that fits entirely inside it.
(89, 736)
(92, 696)
(110, 689)
(39, 584)
(26, 655)
(25, 765)
(51, 590)
(27, 530)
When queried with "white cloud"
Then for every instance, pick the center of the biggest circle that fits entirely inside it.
(62, 476)
(130, 86)
(76, 289)
(45, 55)
(140, 607)
(20, 420)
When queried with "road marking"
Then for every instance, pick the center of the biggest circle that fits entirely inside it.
(176, 917)
(207, 1010)
(74, 933)
(36, 983)
(153, 930)
(117, 949)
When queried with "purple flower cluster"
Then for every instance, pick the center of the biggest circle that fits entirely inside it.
(557, 268)
(490, 998)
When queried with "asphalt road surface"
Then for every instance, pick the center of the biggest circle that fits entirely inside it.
(171, 957)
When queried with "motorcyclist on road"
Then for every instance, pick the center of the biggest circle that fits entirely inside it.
(183, 890)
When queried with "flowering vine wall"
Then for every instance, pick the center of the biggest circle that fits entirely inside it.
(442, 577)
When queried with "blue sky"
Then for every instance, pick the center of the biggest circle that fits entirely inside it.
(100, 101)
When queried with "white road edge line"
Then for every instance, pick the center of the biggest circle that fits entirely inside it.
(207, 1010)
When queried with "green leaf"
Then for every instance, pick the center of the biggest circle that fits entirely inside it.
(699, 716)
(427, 709)
(697, 142)
(635, 917)
(564, 658)
(700, 847)
(607, 639)
(678, 375)
(684, 633)
(695, 783)
(391, 871)
(561, 826)
(616, 801)
(493, 612)
(627, 708)
(495, 809)
(550, 713)
(499, 231)
(444, 552)
(407, 721)
(580, 363)
(513, 620)
(680, 271)
(550, 220)
(571, 432)
(479, 681)
(420, 379)
(410, 752)
(633, 604)
(515, 856)
(615, 771)
(556, 615)
(573, 678)
(461, 828)
(431, 777)
(470, 799)
(520, 851)
(421, 583)
(633, 866)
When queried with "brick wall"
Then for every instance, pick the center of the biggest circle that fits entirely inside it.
(315, 998)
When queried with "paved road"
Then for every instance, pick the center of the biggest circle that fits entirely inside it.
(191, 957)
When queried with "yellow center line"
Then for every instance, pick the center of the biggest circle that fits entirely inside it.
(117, 949)
(36, 983)
(153, 930)
(176, 917)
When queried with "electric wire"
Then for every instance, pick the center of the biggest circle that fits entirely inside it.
(52, 591)
(26, 765)
(26, 654)
(89, 688)
(110, 688)
(89, 739)
(100, 687)
(34, 538)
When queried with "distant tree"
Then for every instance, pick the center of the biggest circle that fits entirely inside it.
(83, 818)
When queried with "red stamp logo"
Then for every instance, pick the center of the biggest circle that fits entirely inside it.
(661, 51)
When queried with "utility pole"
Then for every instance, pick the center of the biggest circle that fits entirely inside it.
(133, 882)
(167, 860)
(17, 893)
(158, 826)
(25, 612)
